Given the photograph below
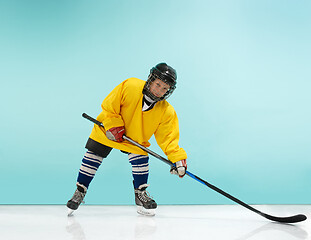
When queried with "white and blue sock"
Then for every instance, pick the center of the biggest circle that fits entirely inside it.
(89, 166)
(140, 168)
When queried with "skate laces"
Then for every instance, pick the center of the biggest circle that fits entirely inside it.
(145, 195)
(78, 197)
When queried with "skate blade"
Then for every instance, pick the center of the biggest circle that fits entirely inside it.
(146, 212)
(70, 212)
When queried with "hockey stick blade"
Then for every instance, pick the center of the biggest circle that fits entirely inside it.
(291, 219)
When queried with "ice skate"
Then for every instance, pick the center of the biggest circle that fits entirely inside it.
(76, 199)
(145, 204)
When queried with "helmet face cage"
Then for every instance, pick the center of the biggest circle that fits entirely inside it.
(156, 74)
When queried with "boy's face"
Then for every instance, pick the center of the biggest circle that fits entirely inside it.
(158, 88)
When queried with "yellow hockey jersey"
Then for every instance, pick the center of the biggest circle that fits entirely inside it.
(123, 107)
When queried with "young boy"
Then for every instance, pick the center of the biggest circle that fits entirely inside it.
(138, 109)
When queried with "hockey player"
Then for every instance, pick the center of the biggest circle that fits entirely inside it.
(138, 109)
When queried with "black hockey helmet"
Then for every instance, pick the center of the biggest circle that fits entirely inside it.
(166, 74)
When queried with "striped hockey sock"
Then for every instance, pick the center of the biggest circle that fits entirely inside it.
(90, 164)
(140, 168)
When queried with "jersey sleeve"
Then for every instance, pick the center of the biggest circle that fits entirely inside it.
(167, 136)
(111, 106)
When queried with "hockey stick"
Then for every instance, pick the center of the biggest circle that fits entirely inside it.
(291, 219)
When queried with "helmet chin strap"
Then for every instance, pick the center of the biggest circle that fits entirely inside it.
(149, 99)
(148, 103)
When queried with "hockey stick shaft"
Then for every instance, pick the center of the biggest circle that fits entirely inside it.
(131, 141)
(291, 219)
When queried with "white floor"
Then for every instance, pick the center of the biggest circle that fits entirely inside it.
(171, 222)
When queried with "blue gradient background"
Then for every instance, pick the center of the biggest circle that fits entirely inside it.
(243, 96)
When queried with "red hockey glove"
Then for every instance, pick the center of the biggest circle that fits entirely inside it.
(115, 134)
(180, 169)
